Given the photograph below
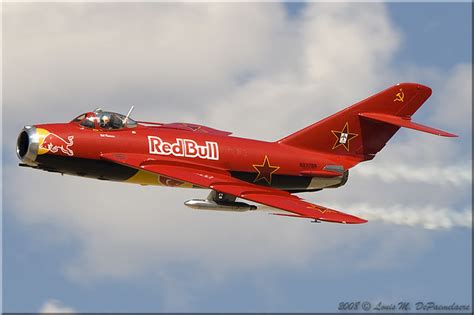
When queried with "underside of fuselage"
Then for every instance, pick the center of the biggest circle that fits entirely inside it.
(106, 170)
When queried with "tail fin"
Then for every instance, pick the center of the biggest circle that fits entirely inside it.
(363, 129)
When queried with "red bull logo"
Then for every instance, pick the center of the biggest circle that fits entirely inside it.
(184, 147)
(54, 143)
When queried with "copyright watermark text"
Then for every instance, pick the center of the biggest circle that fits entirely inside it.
(403, 306)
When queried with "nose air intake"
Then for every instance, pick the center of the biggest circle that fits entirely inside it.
(22, 144)
(27, 145)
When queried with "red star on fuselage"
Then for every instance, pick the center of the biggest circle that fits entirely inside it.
(265, 171)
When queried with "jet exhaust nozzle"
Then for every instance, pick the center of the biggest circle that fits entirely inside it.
(201, 204)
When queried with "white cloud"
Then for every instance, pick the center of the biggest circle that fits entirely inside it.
(455, 101)
(241, 67)
(54, 306)
(328, 42)
(320, 76)
(173, 56)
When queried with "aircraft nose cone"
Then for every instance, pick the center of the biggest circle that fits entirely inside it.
(27, 145)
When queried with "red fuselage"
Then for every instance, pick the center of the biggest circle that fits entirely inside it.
(73, 149)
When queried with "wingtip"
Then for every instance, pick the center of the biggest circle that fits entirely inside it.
(352, 219)
(356, 220)
(343, 218)
(361, 221)
(443, 133)
(447, 134)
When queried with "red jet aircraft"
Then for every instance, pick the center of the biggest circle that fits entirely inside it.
(111, 146)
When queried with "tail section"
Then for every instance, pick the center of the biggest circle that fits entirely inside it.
(364, 128)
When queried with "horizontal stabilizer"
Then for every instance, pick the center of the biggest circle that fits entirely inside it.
(405, 122)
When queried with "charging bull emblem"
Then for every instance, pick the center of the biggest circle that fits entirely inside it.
(53, 143)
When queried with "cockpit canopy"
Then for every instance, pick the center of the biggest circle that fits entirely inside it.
(99, 119)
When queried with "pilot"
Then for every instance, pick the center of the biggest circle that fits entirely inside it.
(105, 122)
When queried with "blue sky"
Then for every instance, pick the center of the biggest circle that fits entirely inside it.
(153, 255)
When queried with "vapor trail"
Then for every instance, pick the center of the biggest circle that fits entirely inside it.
(428, 217)
(450, 175)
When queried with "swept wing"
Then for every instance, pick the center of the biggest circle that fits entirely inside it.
(222, 181)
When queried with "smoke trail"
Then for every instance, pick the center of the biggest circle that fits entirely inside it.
(450, 175)
(428, 217)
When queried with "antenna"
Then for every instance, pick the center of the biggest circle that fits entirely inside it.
(128, 115)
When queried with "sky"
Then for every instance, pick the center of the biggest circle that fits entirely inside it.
(261, 70)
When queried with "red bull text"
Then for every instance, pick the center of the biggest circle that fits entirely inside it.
(184, 147)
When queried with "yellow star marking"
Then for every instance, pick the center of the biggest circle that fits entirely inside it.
(343, 137)
(265, 171)
(311, 206)
(399, 97)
